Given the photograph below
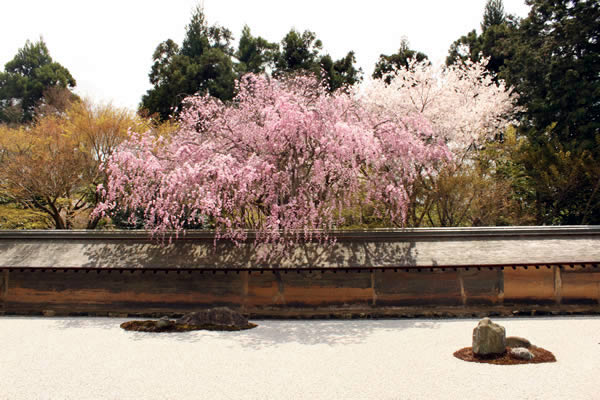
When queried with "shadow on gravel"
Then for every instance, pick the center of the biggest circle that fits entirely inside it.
(273, 333)
(86, 322)
(331, 333)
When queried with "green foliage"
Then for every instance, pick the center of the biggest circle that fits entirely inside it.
(202, 64)
(254, 54)
(497, 30)
(301, 53)
(493, 14)
(467, 47)
(123, 218)
(488, 188)
(552, 60)
(555, 67)
(387, 64)
(340, 73)
(565, 180)
(25, 79)
(500, 160)
(482, 191)
(200, 37)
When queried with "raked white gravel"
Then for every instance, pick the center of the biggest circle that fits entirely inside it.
(92, 358)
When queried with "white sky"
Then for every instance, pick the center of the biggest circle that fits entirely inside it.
(107, 45)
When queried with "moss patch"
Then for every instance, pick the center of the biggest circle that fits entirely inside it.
(14, 217)
(540, 355)
(151, 326)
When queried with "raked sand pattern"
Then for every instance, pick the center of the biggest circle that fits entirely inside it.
(92, 358)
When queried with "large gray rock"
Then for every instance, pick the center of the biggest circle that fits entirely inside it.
(516, 341)
(489, 338)
(521, 353)
(219, 316)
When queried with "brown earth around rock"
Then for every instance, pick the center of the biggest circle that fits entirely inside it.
(540, 356)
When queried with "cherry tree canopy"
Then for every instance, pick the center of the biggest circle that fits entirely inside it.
(463, 102)
(283, 158)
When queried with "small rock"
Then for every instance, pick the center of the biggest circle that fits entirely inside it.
(49, 313)
(516, 341)
(489, 338)
(521, 353)
(163, 322)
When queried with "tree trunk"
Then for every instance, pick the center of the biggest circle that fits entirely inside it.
(93, 222)
(59, 222)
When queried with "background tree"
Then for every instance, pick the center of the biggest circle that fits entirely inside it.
(202, 64)
(340, 73)
(301, 53)
(41, 169)
(489, 189)
(254, 54)
(493, 14)
(564, 181)
(53, 165)
(26, 78)
(298, 51)
(551, 58)
(388, 64)
(493, 43)
(555, 67)
(55, 100)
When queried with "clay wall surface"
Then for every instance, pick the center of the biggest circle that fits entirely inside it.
(302, 293)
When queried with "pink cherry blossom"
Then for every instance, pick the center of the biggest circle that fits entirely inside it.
(463, 103)
(283, 159)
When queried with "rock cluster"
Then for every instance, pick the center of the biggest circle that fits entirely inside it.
(217, 319)
(491, 346)
(489, 339)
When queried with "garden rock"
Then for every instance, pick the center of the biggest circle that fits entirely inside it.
(516, 341)
(489, 338)
(521, 353)
(219, 316)
(163, 322)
